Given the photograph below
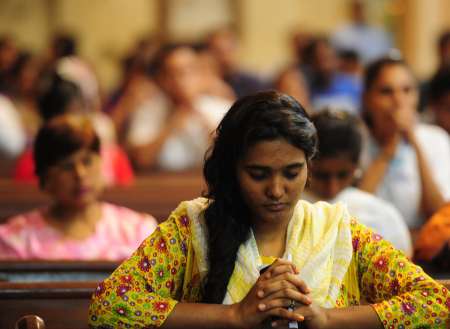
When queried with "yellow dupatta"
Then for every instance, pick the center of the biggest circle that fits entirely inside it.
(318, 238)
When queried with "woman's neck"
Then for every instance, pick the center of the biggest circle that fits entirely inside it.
(271, 239)
(74, 222)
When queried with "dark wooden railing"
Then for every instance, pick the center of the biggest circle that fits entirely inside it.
(157, 194)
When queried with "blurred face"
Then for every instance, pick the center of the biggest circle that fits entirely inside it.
(224, 45)
(181, 76)
(393, 90)
(445, 53)
(271, 178)
(8, 56)
(331, 176)
(325, 60)
(29, 76)
(75, 180)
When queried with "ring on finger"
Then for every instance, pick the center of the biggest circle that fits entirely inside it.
(292, 304)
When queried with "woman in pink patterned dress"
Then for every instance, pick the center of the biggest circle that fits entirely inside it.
(77, 226)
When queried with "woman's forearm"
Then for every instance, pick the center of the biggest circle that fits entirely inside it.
(355, 317)
(200, 316)
(374, 174)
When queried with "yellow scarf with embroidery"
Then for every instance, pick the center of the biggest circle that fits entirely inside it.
(318, 238)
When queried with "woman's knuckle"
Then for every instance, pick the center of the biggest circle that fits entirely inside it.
(288, 276)
(279, 312)
(286, 292)
(284, 284)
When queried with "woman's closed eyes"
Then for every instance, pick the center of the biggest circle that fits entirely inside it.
(264, 175)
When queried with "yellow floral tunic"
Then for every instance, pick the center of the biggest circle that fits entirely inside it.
(163, 271)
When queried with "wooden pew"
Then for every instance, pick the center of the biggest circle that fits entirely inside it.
(445, 283)
(158, 194)
(30, 322)
(7, 167)
(63, 271)
(62, 305)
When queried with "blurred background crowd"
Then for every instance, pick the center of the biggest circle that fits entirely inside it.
(155, 78)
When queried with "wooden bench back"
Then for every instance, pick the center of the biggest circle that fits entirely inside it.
(66, 271)
(62, 305)
(157, 194)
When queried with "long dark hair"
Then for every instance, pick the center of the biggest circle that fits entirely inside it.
(263, 116)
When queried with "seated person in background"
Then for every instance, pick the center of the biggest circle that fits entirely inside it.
(292, 82)
(77, 226)
(334, 171)
(224, 46)
(434, 237)
(9, 53)
(64, 97)
(439, 97)
(370, 42)
(138, 90)
(328, 86)
(175, 134)
(62, 58)
(214, 84)
(13, 136)
(23, 93)
(443, 52)
(407, 163)
(201, 268)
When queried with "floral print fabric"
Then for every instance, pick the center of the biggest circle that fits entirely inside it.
(142, 292)
(117, 234)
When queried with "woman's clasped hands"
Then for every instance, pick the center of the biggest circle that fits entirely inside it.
(272, 295)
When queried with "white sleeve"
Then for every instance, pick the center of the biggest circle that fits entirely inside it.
(146, 122)
(12, 132)
(435, 145)
(399, 235)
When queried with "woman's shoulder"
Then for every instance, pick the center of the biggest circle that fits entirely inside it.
(118, 216)
(186, 214)
(192, 208)
(322, 208)
(323, 214)
(20, 224)
(111, 210)
(183, 221)
(359, 201)
(429, 133)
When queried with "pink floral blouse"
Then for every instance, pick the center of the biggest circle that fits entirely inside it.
(117, 235)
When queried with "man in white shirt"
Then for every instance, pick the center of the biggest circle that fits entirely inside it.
(12, 132)
(174, 133)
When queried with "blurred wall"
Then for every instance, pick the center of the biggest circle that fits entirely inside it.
(267, 27)
(419, 31)
(26, 21)
(108, 29)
